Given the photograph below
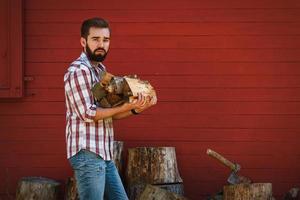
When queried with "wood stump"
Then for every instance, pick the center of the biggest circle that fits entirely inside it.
(152, 165)
(155, 193)
(255, 191)
(37, 188)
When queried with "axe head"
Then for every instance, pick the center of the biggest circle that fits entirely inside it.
(233, 177)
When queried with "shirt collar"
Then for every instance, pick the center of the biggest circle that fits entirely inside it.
(84, 58)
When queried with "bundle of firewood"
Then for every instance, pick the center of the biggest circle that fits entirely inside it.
(113, 90)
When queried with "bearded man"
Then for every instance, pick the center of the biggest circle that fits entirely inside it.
(89, 128)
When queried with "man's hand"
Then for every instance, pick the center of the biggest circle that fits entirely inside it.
(149, 101)
(141, 103)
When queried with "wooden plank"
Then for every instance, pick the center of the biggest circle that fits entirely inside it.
(235, 150)
(31, 108)
(173, 55)
(230, 108)
(192, 81)
(33, 160)
(171, 29)
(191, 95)
(32, 134)
(167, 15)
(175, 68)
(248, 154)
(168, 42)
(44, 147)
(156, 4)
(171, 121)
(258, 175)
(138, 134)
(250, 150)
(256, 162)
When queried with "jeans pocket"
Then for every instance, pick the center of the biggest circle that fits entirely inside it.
(86, 161)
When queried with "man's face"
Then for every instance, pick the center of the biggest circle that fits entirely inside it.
(97, 44)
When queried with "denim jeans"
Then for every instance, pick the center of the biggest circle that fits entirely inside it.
(96, 177)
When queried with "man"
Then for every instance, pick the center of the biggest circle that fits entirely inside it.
(89, 129)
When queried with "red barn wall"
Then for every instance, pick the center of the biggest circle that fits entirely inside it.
(227, 76)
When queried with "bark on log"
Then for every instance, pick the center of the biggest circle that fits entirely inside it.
(71, 192)
(118, 155)
(255, 191)
(155, 193)
(154, 165)
(151, 165)
(37, 188)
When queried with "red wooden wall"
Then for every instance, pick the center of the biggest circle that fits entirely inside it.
(227, 75)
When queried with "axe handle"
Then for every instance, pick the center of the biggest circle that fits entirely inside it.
(223, 160)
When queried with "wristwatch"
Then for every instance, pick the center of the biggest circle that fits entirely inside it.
(134, 112)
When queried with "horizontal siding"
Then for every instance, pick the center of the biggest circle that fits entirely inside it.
(227, 77)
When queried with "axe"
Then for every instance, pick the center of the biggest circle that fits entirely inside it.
(233, 177)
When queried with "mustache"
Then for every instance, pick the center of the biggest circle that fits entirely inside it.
(100, 49)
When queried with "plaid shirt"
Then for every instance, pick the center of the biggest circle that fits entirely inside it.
(82, 132)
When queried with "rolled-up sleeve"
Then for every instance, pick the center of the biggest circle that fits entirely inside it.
(80, 91)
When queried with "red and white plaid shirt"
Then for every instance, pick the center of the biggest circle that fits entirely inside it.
(82, 132)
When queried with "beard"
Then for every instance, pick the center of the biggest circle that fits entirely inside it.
(95, 57)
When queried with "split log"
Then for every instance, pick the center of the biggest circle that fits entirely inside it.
(152, 165)
(37, 188)
(255, 191)
(112, 90)
(135, 190)
(176, 188)
(155, 193)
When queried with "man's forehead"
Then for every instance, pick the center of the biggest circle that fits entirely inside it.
(99, 32)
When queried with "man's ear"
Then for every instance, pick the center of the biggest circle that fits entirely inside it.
(83, 42)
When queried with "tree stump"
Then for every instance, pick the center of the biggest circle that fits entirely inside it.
(37, 188)
(255, 191)
(155, 193)
(152, 165)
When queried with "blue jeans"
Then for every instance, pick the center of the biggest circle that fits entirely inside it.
(96, 177)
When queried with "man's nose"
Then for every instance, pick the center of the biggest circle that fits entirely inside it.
(100, 44)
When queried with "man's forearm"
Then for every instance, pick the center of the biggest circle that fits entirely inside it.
(103, 113)
(122, 115)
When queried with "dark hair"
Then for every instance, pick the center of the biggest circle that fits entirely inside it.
(92, 22)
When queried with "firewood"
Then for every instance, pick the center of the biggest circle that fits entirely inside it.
(37, 188)
(155, 193)
(112, 90)
(255, 191)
